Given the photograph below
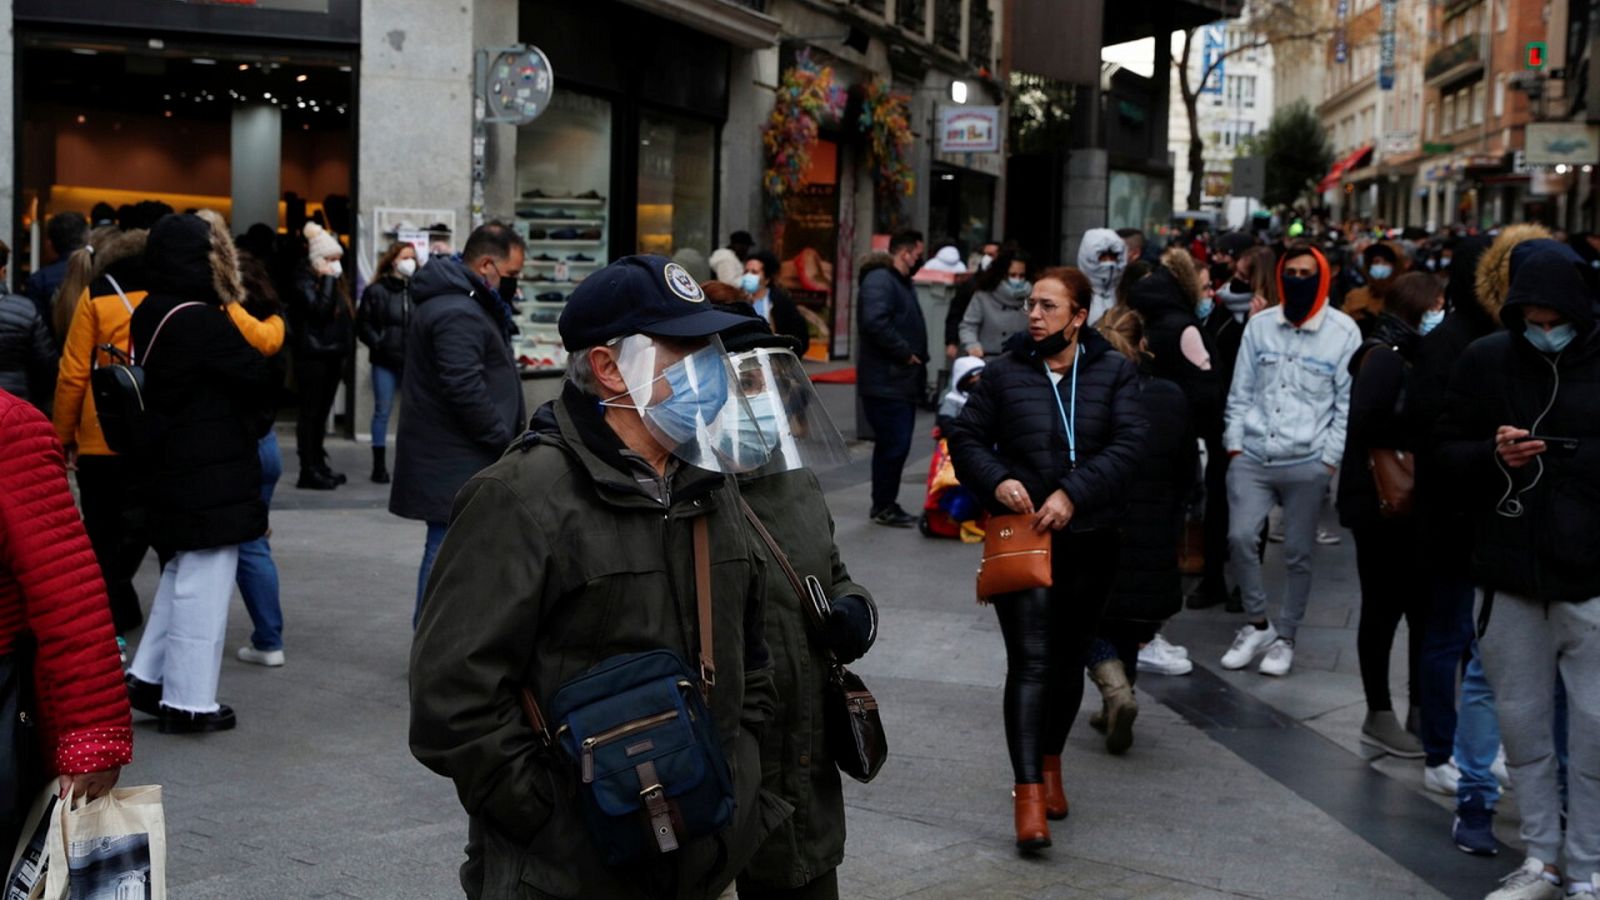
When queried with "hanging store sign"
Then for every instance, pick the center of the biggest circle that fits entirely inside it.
(969, 129)
(1573, 143)
(1214, 44)
(1386, 46)
(1341, 47)
(518, 85)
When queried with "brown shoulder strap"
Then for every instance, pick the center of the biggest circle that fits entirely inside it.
(782, 558)
(702, 590)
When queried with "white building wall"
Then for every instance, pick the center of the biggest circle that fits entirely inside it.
(1242, 109)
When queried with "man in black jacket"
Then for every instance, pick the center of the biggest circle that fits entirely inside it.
(461, 394)
(1520, 441)
(892, 375)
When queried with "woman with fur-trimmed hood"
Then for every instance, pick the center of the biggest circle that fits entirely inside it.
(210, 392)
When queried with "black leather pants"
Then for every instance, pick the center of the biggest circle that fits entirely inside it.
(1047, 633)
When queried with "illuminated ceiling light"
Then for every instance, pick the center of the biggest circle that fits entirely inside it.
(244, 67)
(1561, 168)
(167, 113)
(81, 119)
(301, 77)
(203, 61)
(302, 104)
(85, 51)
(958, 91)
(267, 95)
(344, 68)
(1588, 169)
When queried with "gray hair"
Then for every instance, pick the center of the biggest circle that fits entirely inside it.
(580, 371)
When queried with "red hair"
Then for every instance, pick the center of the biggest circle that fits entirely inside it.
(1076, 283)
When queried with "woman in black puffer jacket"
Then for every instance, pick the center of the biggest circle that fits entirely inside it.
(381, 323)
(211, 396)
(1055, 430)
(1148, 589)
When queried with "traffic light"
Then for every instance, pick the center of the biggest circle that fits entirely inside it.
(1536, 55)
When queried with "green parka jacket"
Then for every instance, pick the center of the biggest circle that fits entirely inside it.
(558, 558)
(795, 763)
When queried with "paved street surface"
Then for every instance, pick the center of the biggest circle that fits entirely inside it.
(1237, 786)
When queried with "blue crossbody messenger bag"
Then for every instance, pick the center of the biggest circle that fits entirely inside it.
(652, 775)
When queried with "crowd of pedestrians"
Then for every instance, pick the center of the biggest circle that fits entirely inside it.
(630, 609)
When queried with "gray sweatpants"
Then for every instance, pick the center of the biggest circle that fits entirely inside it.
(1253, 489)
(1526, 644)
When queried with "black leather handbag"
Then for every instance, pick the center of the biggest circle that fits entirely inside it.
(21, 762)
(850, 717)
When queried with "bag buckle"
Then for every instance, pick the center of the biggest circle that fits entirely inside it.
(654, 799)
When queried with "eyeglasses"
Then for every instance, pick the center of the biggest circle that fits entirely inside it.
(1048, 307)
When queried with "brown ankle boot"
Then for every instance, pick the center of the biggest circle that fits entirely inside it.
(1033, 832)
(1121, 707)
(1055, 796)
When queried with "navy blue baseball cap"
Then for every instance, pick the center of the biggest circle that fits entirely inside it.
(640, 295)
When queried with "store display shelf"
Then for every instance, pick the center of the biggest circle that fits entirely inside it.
(549, 285)
(551, 263)
(560, 201)
(571, 243)
(563, 223)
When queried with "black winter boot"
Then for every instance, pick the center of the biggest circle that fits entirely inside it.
(380, 465)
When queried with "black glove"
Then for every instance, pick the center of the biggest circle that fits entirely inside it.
(850, 628)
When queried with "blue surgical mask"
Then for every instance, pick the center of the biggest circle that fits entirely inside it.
(1553, 341)
(755, 437)
(1380, 271)
(1204, 308)
(1430, 320)
(1020, 288)
(749, 282)
(680, 416)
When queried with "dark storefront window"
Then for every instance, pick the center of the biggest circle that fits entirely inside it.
(677, 174)
(960, 208)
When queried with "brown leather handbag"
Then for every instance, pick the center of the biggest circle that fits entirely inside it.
(853, 728)
(1015, 557)
(1394, 474)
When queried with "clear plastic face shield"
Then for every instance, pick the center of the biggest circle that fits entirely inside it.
(790, 424)
(687, 402)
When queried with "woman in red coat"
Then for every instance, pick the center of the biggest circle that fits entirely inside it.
(51, 589)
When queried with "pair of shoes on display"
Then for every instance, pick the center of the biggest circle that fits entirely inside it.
(1382, 730)
(580, 257)
(269, 658)
(1121, 707)
(1250, 641)
(892, 516)
(1531, 881)
(537, 234)
(146, 698)
(1162, 658)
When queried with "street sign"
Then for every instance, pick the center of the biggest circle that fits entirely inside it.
(1249, 176)
(1386, 46)
(1573, 143)
(1536, 55)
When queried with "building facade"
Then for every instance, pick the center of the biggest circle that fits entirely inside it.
(1235, 105)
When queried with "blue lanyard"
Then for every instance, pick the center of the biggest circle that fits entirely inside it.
(1071, 422)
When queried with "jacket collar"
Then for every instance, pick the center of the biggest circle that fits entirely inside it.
(1312, 324)
(581, 430)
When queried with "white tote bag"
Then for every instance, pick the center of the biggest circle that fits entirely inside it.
(27, 861)
(113, 848)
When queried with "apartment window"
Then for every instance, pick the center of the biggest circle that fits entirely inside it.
(1499, 96)
(1430, 122)
(1477, 103)
(1501, 19)
(1450, 114)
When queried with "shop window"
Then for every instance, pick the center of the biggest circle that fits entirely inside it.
(677, 159)
(563, 188)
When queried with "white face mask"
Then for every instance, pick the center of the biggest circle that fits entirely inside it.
(406, 267)
(334, 268)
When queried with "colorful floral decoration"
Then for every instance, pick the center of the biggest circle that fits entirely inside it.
(886, 118)
(807, 95)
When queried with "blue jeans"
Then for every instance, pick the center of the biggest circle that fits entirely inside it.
(430, 552)
(1444, 647)
(385, 382)
(257, 576)
(1477, 738)
(892, 423)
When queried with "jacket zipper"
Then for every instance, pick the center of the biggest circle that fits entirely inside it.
(616, 733)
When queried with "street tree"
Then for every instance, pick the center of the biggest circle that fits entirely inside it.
(1297, 153)
(1285, 25)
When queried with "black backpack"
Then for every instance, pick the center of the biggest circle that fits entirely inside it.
(119, 392)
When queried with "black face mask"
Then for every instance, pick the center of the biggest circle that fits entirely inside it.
(916, 265)
(1052, 344)
(508, 288)
(1239, 286)
(1299, 296)
(1220, 272)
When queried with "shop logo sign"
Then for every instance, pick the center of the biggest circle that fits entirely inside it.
(969, 129)
(681, 283)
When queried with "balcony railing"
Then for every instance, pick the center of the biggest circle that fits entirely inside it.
(1463, 52)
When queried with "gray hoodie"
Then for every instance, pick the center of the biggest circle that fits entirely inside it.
(1103, 276)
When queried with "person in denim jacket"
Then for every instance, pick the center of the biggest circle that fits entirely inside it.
(1285, 431)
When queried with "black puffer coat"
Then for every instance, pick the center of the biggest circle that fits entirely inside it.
(383, 319)
(1012, 427)
(1224, 336)
(1148, 587)
(892, 331)
(1548, 552)
(1381, 369)
(209, 390)
(461, 397)
(27, 354)
(1167, 314)
(321, 318)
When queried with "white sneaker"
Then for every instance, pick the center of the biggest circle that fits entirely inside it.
(1174, 649)
(1326, 537)
(1590, 888)
(1279, 658)
(1501, 773)
(1443, 778)
(1246, 644)
(1160, 657)
(250, 654)
(1530, 882)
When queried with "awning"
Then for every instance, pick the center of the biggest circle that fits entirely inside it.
(1342, 166)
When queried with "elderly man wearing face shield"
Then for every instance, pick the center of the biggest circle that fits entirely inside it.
(579, 548)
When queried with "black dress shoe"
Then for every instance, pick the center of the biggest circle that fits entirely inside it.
(144, 696)
(894, 517)
(315, 480)
(177, 721)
